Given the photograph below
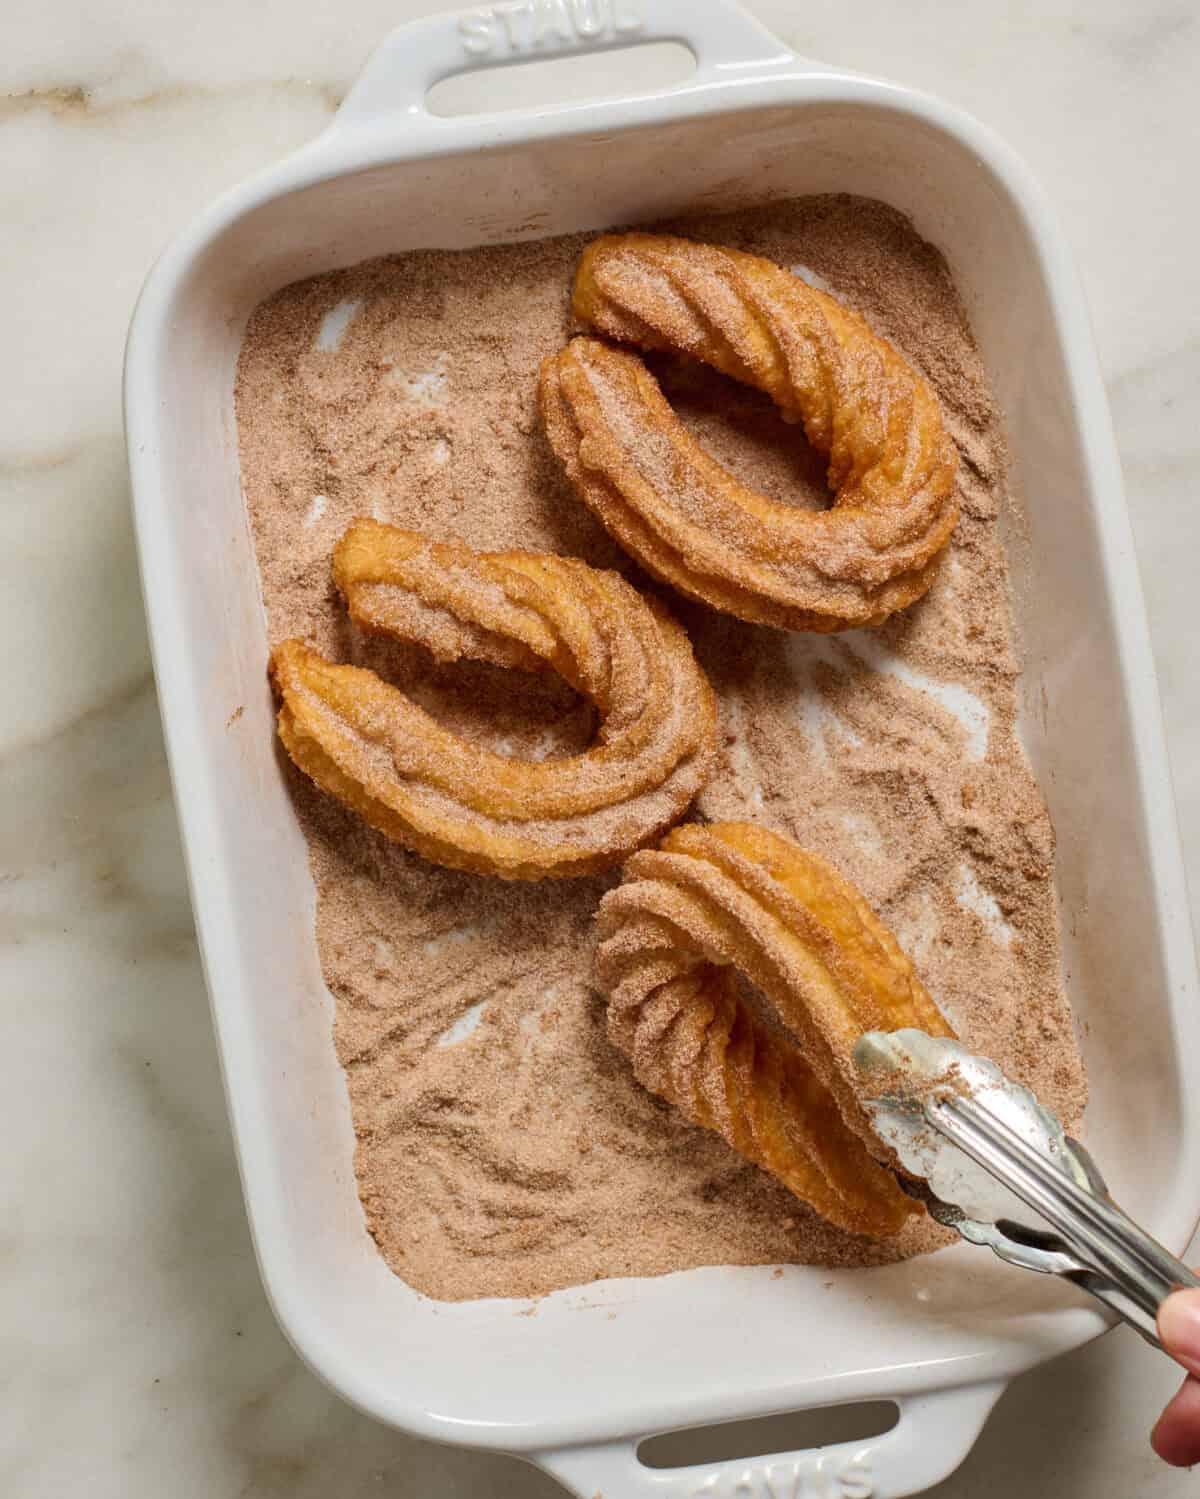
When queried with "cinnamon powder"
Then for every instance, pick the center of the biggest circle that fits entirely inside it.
(503, 1147)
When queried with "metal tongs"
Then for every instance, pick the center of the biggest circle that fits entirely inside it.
(989, 1160)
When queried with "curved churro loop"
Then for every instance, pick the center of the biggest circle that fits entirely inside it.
(686, 518)
(776, 1080)
(455, 802)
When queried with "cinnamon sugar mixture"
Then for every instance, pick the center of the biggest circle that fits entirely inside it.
(503, 1146)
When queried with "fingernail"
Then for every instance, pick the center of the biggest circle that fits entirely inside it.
(1179, 1327)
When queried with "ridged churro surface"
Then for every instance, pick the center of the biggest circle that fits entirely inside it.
(734, 900)
(689, 520)
(369, 744)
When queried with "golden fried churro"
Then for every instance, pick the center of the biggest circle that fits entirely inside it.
(776, 1081)
(372, 747)
(686, 518)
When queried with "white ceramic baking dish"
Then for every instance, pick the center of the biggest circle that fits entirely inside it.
(571, 1387)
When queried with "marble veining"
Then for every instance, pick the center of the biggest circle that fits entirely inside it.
(138, 1354)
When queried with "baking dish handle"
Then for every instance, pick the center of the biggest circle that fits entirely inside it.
(935, 1432)
(724, 40)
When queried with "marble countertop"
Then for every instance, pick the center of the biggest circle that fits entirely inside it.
(137, 1352)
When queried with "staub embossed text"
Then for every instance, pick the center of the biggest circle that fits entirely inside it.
(516, 27)
(824, 1477)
